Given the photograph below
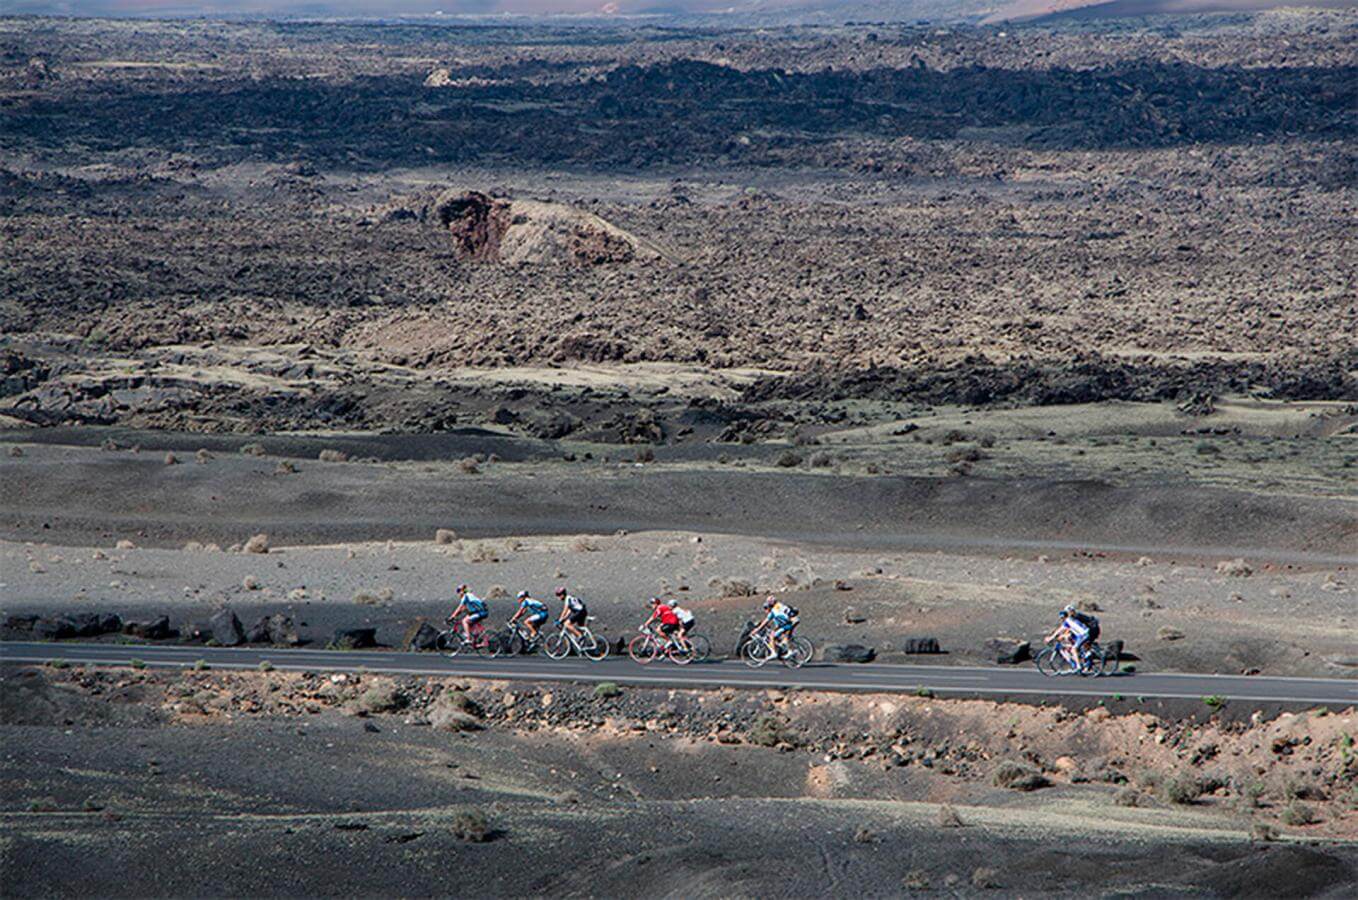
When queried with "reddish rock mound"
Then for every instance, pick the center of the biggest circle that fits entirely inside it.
(496, 229)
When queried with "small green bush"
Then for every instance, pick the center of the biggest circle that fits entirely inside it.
(58, 664)
(472, 826)
(200, 665)
(137, 664)
(606, 690)
(1183, 789)
(265, 666)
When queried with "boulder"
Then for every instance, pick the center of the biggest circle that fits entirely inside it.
(354, 638)
(852, 616)
(226, 628)
(94, 624)
(426, 637)
(277, 629)
(20, 623)
(921, 645)
(153, 630)
(53, 628)
(848, 653)
(1009, 651)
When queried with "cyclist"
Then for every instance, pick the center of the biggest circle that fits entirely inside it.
(534, 613)
(471, 608)
(573, 612)
(780, 620)
(1076, 630)
(686, 623)
(663, 614)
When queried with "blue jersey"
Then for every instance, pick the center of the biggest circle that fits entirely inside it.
(474, 605)
(533, 608)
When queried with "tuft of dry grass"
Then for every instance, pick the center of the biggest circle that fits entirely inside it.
(336, 456)
(445, 536)
(948, 817)
(257, 544)
(252, 449)
(1017, 776)
(472, 826)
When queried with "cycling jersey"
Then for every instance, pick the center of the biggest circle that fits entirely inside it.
(684, 616)
(475, 606)
(666, 615)
(574, 603)
(1079, 632)
(534, 608)
(783, 613)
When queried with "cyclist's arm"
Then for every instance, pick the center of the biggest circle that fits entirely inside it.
(518, 612)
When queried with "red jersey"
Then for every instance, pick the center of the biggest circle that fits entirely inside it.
(666, 614)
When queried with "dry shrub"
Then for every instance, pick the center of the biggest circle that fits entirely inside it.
(380, 698)
(1017, 776)
(250, 583)
(1234, 568)
(480, 553)
(1297, 814)
(497, 592)
(469, 465)
(202, 456)
(366, 598)
(915, 880)
(584, 544)
(1184, 788)
(964, 455)
(1263, 831)
(770, 731)
(1129, 797)
(948, 817)
(788, 459)
(821, 461)
(1169, 634)
(336, 456)
(735, 587)
(125, 544)
(252, 449)
(257, 544)
(645, 455)
(472, 826)
(285, 467)
(16, 452)
(985, 878)
(445, 536)
(171, 459)
(864, 835)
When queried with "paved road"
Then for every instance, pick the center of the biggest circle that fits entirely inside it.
(873, 677)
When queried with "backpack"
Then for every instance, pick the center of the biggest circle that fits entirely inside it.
(1088, 621)
(475, 605)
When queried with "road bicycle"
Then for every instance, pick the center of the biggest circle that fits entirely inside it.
(513, 640)
(1095, 660)
(797, 653)
(453, 641)
(562, 643)
(702, 647)
(648, 646)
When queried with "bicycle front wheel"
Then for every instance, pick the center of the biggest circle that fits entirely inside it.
(680, 655)
(557, 646)
(1050, 662)
(756, 653)
(642, 649)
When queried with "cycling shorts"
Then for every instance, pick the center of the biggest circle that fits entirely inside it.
(535, 619)
(668, 628)
(578, 617)
(781, 626)
(474, 617)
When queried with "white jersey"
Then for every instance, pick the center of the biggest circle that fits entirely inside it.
(684, 615)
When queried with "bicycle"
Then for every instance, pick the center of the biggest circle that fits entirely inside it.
(453, 641)
(1094, 660)
(798, 652)
(647, 646)
(702, 647)
(513, 640)
(563, 643)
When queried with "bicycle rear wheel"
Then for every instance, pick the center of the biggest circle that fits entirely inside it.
(595, 647)
(702, 647)
(679, 655)
(557, 646)
(643, 649)
(800, 652)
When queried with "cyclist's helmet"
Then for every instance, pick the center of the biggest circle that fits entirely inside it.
(1067, 609)
(561, 591)
(462, 589)
(655, 601)
(768, 604)
(520, 595)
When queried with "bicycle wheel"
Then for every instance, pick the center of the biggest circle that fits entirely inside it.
(702, 647)
(595, 647)
(755, 654)
(800, 653)
(499, 644)
(679, 655)
(1050, 662)
(557, 646)
(446, 643)
(643, 649)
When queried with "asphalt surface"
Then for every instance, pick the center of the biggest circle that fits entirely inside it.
(1023, 680)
